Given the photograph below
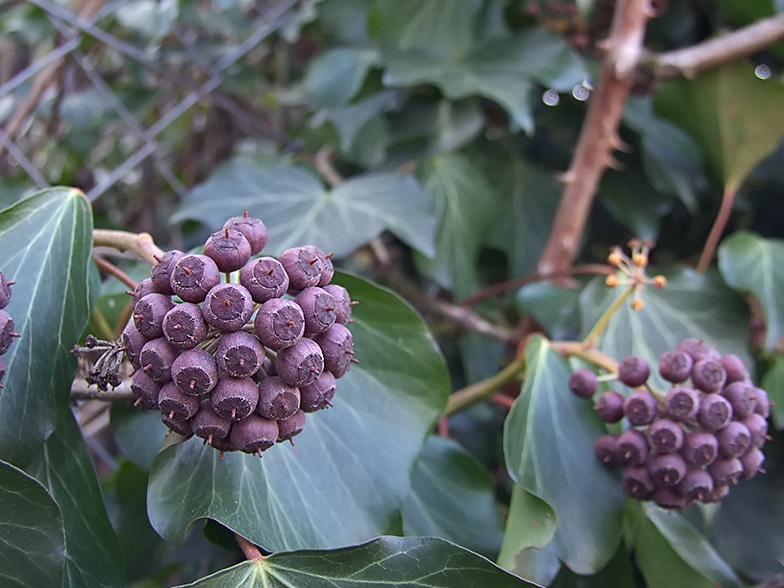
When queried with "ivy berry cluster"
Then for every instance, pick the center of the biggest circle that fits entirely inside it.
(690, 443)
(239, 364)
(7, 333)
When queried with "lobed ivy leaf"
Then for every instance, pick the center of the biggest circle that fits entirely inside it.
(32, 538)
(336, 75)
(548, 443)
(45, 245)
(505, 70)
(66, 468)
(466, 208)
(671, 553)
(347, 476)
(453, 497)
(751, 263)
(350, 120)
(691, 305)
(297, 209)
(402, 562)
(731, 113)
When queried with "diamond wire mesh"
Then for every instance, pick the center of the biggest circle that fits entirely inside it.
(89, 48)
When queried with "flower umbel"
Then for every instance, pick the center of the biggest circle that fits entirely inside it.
(632, 268)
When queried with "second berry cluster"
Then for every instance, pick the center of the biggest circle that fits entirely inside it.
(237, 363)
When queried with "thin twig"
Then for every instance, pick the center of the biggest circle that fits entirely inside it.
(140, 243)
(249, 549)
(599, 134)
(690, 61)
(81, 390)
(111, 269)
(503, 287)
(727, 201)
(472, 394)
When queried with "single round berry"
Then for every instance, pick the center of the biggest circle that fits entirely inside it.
(132, 342)
(7, 333)
(252, 228)
(682, 403)
(714, 413)
(279, 323)
(670, 498)
(742, 398)
(633, 447)
(229, 249)
(208, 424)
(234, 398)
(667, 469)
(734, 439)
(695, 484)
(301, 364)
(184, 326)
(708, 375)
(675, 366)
(264, 278)
(160, 275)
(610, 406)
(696, 348)
(342, 302)
(303, 267)
(195, 372)
(700, 448)
(725, 470)
(291, 426)
(173, 402)
(758, 428)
(277, 400)
(640, 408)
(633, 371)
(318, 395)
(254, 434)
(179, 426)
(239, 354)
(227, 307)
(149, 312)
(5, 291)
(222, 444)
(735, 368)
(145, 390)
(142, 289)
(327, 270)
(761, 402)
(751, 461)
(319, 309)
(193, 276)
(337, 346)
(665, 436)
(606, 450)
(156, 359)
(583, 383)
(716, 495)
(637, 482)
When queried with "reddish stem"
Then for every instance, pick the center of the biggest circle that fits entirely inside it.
(249, 549)
(727, 202)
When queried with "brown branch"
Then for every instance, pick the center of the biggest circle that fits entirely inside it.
(690, 61)
(504, 287)
(727, 201)
(81, 390)
(111, 269)
(599, 134)
(140, 243)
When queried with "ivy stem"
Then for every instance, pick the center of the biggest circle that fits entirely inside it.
(249, 549)
(111, 269)
(727, 201)
(588, 353)
(592, 337)
(139, 243)
(469, 395)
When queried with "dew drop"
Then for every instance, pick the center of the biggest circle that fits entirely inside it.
(551, 98)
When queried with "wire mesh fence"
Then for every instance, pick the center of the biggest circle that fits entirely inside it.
(141, 97)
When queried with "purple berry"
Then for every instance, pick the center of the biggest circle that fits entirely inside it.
(184, 326)
(179, 426)
(637, 482)
(239, 354)
(583, 383)
(302, 266)
(277, 400)
(145, 390)
(758, 428)
(667, 497)
(665, 436)
(327, 271)
(177, 405)
(697, 349)
(742, 397)
(229, 249)
(716, 495)
(7, 333)
(291, 426)
(734, 439)
(751, 461)
(606, 450)
(633, 371)
(156, 359)
(682, 403)
(301, 364)
(317, 396)
(195, 372)
(142, 289)
(254, 434)
(700, 448)
(5, 291)
(208, 424)
(675, 366)
(252, 228)
(610, 406)
(264, 278)
(149, 312)
(234, 398)
(735, 368)
(761, 402)
(667, 469)
(342, 302)
(633, 446)
(337, 346)
(133, 341)
(228, 307)
(161, 272)
(715, 412)
(708, 375)
(319, 309)
(279, 323)
(695, 484)
(725, 471)
(193, 276)
(640, 408)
